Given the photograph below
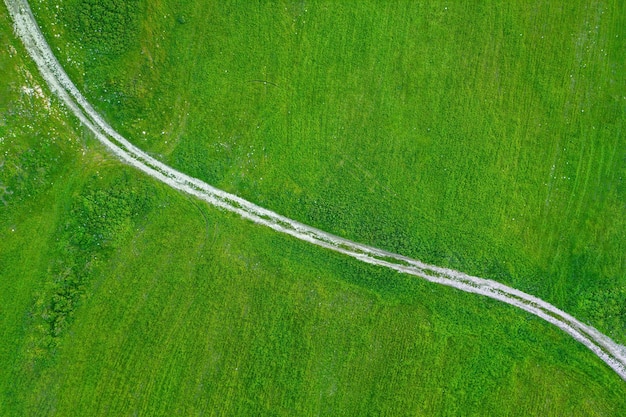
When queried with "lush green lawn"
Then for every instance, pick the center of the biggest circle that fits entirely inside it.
(439, 133)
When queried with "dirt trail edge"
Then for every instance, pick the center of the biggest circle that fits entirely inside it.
(26, 28)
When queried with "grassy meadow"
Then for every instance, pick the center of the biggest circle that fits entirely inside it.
(489, 139)
(485, 138)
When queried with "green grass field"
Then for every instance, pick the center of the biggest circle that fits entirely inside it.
(488, 139)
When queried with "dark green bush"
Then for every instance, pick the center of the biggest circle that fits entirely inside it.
(106, 26)
(607, 309)
(101, 218)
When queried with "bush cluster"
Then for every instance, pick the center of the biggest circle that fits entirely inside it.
(99, 221)
(607, 310)
(106, 26)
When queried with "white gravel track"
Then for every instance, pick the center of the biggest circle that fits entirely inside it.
(26, 28)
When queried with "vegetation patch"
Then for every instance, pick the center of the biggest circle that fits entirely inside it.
(607, 308)
(107, 27)
(101, 218)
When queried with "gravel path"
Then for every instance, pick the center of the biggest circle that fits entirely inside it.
(51, 70)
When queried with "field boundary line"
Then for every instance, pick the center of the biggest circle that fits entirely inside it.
(26, 28)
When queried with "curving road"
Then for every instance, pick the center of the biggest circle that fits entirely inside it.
(26, 28)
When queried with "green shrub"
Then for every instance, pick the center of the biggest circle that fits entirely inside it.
(106, 27)
(607, 310)
(101, 218)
